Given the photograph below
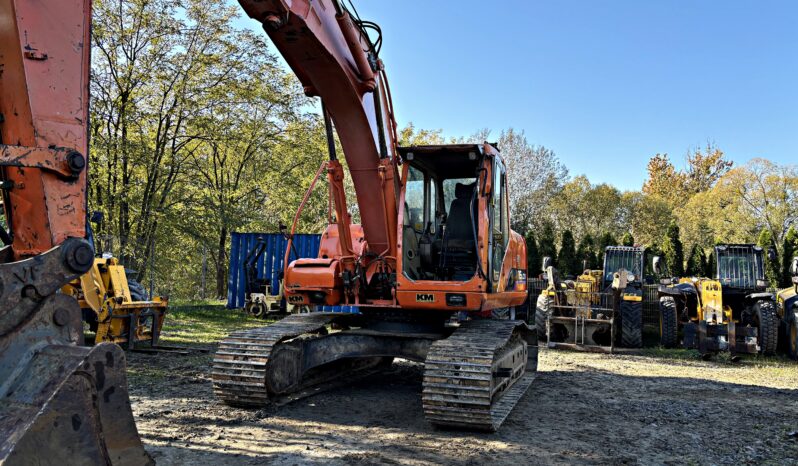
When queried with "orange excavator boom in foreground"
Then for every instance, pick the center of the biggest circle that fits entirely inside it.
(59, 403)
(434, 268)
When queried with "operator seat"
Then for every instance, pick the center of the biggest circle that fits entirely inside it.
(459, 246)
(459, 224)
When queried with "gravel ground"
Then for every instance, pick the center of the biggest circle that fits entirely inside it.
(668, 408)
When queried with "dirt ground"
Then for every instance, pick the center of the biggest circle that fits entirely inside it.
(660, 408)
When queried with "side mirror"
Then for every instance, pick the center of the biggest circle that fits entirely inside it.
(794, 267)
(656, 264)
(547, 262)
(771, 255)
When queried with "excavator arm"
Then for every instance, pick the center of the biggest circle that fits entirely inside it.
(334, 58)
(59, 403)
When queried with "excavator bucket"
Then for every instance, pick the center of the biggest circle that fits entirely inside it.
(59, 403)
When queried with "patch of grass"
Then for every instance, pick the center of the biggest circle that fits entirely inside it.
(660, 352)
(141, 373)
(201, 323)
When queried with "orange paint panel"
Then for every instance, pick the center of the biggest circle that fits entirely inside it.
(436, 300)
(313, 274)
(45, 56)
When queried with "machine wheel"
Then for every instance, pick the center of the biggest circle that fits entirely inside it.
(768, 337)
(668, 322)
(631, 324)
(257, 310)
(542, 313)
(137, 291)
(792, 338)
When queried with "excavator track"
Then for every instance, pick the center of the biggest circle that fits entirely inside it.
(240, 364)
(474, 378)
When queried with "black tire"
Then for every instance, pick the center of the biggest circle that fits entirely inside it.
(792, 337)
(768, 331)
(631, 324)
(542, 313)
(668, 322)
(137, 291)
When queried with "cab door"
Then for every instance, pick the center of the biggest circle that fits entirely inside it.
(499, 222)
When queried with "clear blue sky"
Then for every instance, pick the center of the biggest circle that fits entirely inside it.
(605, 84)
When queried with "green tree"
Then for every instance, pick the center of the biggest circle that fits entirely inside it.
(535, 174)
(410, 136)
(704, 169)
(696, 262)
(586, 253)
(546, 244)
(789, 250)
(533, 259)
(674, 251)
(197, 130)
(567, 261)
(664, 181)
(712, 265)
(628, 239)
(586, 208)
(647, 216)
(606, 239)
(772, 268)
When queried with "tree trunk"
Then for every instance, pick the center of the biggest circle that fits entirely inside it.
(221, 265)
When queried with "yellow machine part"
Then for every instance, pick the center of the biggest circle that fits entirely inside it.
(586, 288)
(782, 296)
(105, 290)
(710, 303)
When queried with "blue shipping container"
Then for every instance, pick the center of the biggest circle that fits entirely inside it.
(269, 265)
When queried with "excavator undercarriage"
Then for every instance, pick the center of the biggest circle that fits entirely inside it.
(474, 372)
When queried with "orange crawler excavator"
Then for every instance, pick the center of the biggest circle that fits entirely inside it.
(59, 403)
(435, 270)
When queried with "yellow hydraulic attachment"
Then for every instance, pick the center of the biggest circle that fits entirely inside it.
(117, 308)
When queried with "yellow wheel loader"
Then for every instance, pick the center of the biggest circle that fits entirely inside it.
(115, 306)
(787, 309)
(730, 312)
(600, 310)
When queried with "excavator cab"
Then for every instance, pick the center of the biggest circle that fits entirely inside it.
(441, 201)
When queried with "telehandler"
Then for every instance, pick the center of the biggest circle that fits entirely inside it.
(787, 310)
(598, 310)
(731, 312)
